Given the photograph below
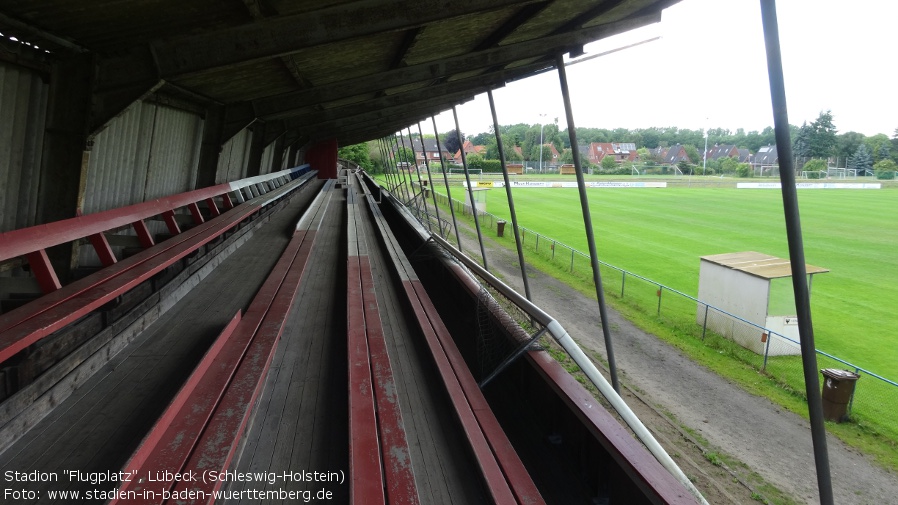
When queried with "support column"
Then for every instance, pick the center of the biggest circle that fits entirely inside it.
(66, 150)
(257, 147)
(446, 182)
(210, 150)
(511, 210)
(464, 164)
(796, 249)
(587, 222)
(433, 193)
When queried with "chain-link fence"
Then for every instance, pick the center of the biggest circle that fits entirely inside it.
(875, 397)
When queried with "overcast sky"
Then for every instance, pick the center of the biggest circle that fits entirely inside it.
(709, 69)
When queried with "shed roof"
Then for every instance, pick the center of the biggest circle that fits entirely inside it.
(759, 264)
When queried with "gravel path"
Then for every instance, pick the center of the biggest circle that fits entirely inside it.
(774, 443)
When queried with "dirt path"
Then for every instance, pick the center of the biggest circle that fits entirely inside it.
(773, 443)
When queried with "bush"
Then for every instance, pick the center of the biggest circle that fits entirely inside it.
(885, 169)
(744, 170)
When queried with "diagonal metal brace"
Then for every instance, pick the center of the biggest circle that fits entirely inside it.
(522, 348)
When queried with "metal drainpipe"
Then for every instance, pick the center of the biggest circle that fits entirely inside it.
(464, 163)
(446, 181)
(587, 222)
(429, 178)
(514, 216)
(420, 185)
(796, 248)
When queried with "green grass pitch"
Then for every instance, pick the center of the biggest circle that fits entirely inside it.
(660, 233)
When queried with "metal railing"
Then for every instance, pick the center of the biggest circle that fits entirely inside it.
(776, 355)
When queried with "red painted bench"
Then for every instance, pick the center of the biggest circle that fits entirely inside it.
(201, 428)
(506, 478)
(62, 305)
(379, 461)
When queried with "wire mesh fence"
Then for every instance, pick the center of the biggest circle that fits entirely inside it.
(875, 398)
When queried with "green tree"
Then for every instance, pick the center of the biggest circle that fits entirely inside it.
(875, 143)
(608, 163)
(728, 166)
(474, 160)
(815, 168)
(405, 155)
(885, 169)
(547, 153)
(846, 144)
(357, 153)
(567, 156)
(692, 152)
(885, 151)
(861, 159)
(822, 143)
(801, 143)
(744, 170)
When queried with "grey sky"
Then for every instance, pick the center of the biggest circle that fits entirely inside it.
(709, 69)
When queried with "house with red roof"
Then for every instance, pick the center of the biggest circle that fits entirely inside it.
(620, 151)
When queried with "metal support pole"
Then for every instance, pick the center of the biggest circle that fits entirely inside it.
(514, 216)
(388, 146)
(406, 177)
(433, 194)
(418, 173)
(396, 175)
(464, 164)
(386, 162)
(587, 222)
(446, 181)
(391, 160)
(796, 248)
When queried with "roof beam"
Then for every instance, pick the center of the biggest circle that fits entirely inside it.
(523, 15)
(408, 40)
(282, 35)
(360, 131)
(381, 112)
(489, 58)
(468, 85)
(589, 15)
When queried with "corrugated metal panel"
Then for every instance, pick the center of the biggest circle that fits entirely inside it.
(267, 159)
(175, 153)
(23, 106)
(234, 158)
(147, 152)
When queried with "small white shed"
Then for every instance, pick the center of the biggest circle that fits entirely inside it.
(740, 283)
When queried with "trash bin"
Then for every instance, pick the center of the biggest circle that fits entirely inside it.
(500, 228)
(838, 388)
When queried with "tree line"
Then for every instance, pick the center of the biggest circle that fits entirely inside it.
(818, 140)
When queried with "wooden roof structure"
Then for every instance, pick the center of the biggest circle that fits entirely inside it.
(328, 69)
